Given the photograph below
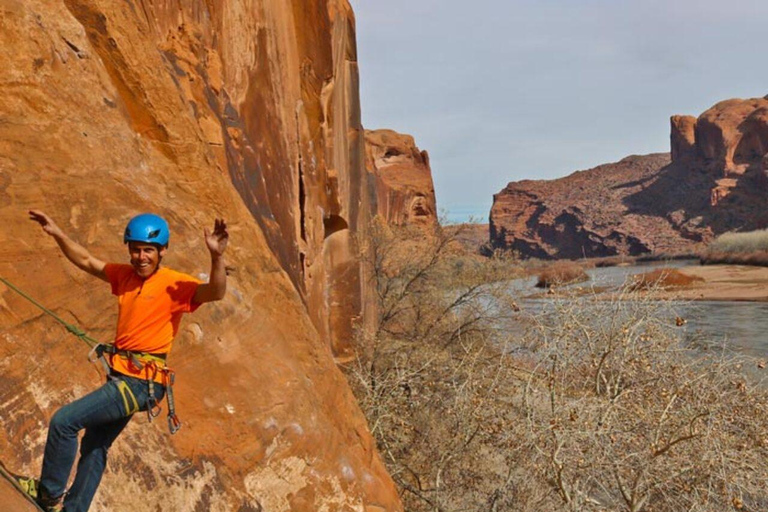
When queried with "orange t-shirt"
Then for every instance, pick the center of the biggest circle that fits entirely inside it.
(149, 312)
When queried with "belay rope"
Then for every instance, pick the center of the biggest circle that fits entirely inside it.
(138, 359)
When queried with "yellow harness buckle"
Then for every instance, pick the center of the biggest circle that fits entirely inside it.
(129, 400)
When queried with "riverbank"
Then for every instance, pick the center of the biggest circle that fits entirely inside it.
(722, 283)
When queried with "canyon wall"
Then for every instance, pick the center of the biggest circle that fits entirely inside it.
(246, 110)
(404, 188)
(713, 181)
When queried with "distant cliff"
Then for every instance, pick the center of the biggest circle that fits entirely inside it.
(404, 189)
(244, 109)
(713, 181)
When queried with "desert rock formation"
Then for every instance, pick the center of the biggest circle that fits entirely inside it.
(714, 182)
(247, 110)
(404, 188)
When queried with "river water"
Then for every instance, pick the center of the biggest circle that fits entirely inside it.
(742, 326)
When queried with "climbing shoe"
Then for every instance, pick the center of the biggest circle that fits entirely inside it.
(31, 487)
(50, 504)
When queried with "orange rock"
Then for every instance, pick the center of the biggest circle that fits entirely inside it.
(246, 110)
(12, 500)
(683, 138)
(404, 188)
(733, 134)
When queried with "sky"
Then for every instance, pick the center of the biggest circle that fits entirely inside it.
(505, 90)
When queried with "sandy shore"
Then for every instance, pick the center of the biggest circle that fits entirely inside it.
(723, 282)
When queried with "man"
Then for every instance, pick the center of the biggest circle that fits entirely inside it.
(151, 302)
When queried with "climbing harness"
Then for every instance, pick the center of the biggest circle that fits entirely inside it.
(154, 362)
(129, 399)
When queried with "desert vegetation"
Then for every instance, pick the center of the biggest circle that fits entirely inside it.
(663, 279)
(561, 273)
(576, 405)
(749, 248)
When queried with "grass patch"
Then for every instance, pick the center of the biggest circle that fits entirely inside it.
(750, 248)
(750, 242)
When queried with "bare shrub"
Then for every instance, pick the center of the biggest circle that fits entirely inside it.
(428, 379)
(576, 404)
(561, 273)
(622, 416)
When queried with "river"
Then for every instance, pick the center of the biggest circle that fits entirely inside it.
(742, 326)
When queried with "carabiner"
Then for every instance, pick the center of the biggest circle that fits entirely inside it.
(153, 408)
(174, 423)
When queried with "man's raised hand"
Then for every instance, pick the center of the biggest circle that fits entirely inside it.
(45, 222)
(217, 240)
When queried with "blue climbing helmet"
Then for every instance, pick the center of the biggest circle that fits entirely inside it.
(147, 228)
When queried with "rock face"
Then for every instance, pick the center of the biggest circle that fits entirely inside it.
(404, 189)
(247, 110)
(13, 501)
(683, 138)
(714, 182)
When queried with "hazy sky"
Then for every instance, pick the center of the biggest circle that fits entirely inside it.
(504, 90)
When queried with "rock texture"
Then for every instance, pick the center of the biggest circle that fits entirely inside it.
(714, 182)
(404, 189)
(13, 501)
(247, 110)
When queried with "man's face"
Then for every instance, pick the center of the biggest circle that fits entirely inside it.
(145, 258)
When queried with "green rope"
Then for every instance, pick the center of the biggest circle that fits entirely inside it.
(71, 328)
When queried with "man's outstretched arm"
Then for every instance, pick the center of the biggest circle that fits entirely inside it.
(74, 252)
(216, 287)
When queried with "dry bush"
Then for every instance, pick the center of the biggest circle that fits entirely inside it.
(430, 376)
(749, 248)
(758, 258)
(623, 416)
(561, 273)
(753, 241)
(581, 405)
(664, 279)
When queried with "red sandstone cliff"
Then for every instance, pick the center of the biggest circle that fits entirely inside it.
(714, 182)
(405, 192)
(247, 110)
(13, 501)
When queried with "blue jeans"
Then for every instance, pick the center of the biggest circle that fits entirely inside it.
(103, 414)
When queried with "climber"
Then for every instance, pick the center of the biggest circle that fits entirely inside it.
(151, 302)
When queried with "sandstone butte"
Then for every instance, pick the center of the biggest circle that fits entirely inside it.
(713, 181)
(404, 189)
(246, 110)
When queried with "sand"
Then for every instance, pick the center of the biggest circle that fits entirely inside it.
(723, 282)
